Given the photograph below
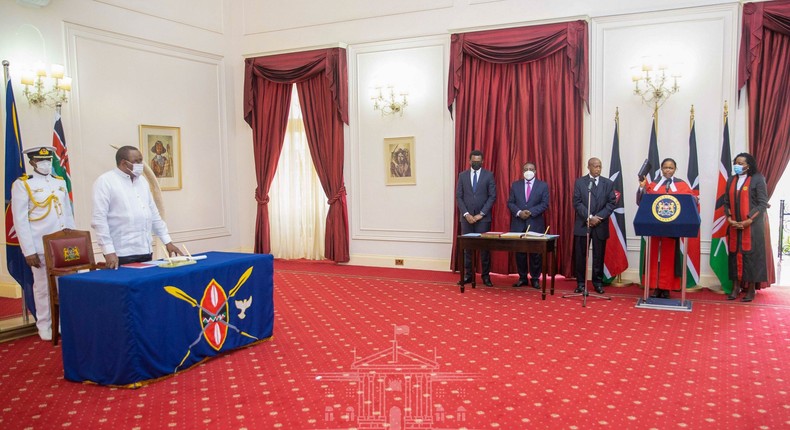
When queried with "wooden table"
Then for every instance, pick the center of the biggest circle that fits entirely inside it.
(545, 246)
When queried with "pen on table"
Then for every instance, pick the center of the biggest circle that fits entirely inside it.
(167, 255)
(547, 230)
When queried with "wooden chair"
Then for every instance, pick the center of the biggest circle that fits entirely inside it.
(66, 252)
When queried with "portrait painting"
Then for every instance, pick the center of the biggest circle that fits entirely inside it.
(161, 149)
(399, 162)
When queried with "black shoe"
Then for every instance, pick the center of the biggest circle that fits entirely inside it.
(664, 294)
(657, 294)
(579, 289)
(520, 284)
(466, 281)
(736, 291)
(487, 281)
(750, 292)
(599, 289)
(536, 284)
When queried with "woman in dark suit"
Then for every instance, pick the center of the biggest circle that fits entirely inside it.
(745, 205)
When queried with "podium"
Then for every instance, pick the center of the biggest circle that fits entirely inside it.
(666, 215)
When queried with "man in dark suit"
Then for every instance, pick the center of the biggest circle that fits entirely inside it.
(475, 194)
(593, 219)
(529, 198)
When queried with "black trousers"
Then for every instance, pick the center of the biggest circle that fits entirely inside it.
(535, 266)
(580, 259)
(485, 256)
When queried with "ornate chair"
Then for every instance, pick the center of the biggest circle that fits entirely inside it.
(66, 252)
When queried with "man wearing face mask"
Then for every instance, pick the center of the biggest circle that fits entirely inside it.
(40, 205)
(124, 213)
(529, 198)
(475, 193)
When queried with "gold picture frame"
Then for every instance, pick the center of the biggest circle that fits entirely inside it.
(399, 161)
(161, 149)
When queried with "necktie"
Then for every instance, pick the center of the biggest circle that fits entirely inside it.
(474, 182)
(528, 190)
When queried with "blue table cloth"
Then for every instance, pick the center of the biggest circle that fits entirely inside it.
(129, 326)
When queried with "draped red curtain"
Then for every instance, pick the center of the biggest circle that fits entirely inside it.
(764, 67)
(322, 84)
(519, 96)
(323, 125)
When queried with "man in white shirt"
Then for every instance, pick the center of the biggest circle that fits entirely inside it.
(124, 212)
(40, 205)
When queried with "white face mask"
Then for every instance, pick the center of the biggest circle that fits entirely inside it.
(44, 167)
(529, 175)
(137, 169)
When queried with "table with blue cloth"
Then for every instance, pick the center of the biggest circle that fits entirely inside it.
(128, 327)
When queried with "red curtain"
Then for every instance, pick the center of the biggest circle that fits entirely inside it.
(764, 66)
(519, 96)
(323, 125)
(267, 92)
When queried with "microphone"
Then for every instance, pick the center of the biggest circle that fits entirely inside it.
(669, 183)
(589, 187)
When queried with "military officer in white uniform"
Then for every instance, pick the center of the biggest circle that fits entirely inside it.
(40, 205)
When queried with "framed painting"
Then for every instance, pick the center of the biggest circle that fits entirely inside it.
(399, 161)
(161, 149)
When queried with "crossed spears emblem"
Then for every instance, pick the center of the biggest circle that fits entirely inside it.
(219, 316)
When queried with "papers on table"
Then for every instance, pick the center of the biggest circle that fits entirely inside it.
(141, 265)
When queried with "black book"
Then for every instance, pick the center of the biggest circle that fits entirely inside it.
(644, 170)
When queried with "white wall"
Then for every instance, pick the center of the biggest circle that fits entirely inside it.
(132, 67)
(180, 63)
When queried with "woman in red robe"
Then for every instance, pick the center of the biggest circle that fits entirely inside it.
(666, 262)
(745, 204)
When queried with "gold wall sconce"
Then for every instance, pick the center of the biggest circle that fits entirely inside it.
(387, 103)
(654, 82)
(44, 88)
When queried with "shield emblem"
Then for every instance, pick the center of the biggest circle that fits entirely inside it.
(214, 320)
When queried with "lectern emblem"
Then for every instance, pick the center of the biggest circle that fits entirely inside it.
(666, 208)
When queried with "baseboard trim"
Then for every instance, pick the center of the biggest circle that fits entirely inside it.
(437, 264)
(10, 290)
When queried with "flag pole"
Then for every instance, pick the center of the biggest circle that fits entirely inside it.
(618, 280)
(25, 313)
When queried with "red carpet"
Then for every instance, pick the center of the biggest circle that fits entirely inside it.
(489, 358)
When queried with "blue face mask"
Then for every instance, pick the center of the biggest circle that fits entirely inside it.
(738, 169)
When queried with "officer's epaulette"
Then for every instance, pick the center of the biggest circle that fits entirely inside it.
(56, 176)
(24, 177)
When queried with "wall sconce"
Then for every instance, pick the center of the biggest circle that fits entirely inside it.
(387, 104)
(40, 95)
(651, 83)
